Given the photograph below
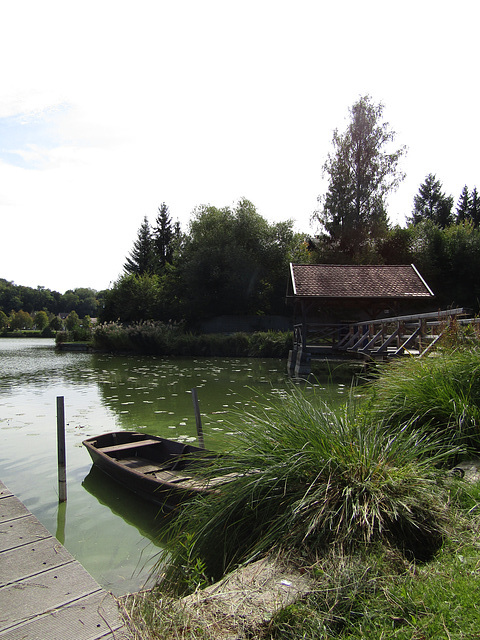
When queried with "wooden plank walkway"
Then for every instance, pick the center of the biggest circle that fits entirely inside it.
(44, 592)
(377, 339)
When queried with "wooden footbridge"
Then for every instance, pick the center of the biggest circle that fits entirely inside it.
(378, 339)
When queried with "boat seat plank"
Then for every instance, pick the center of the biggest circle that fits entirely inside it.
(160, 471)
(222, 479)
(128, 445)
(171, 476)
(141, 464)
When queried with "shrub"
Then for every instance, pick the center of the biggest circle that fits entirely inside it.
(61, 336)
(160, 338)
(439, 393)
(307, 478)
(111, 336)
(270, 344)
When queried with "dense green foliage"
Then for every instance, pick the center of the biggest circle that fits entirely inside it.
(154, 246)
(448, 259)
(165, 235)
(231, 261)
(171, 340)
(432, 204)
(235, 262)
(135, 297)
(439, 394)
(142, 256)
(15, 297)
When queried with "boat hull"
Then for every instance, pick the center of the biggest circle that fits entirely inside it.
(155, 468)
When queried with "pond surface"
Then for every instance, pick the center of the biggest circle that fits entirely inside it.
(114, 534)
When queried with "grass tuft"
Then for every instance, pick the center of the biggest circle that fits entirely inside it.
(438, 394)
(309, 478)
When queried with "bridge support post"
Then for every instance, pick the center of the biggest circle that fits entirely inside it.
(302, 364)
(292, 361)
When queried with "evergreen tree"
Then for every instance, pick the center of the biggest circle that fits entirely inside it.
(362, 173)
(432, 204)
(163, 234)
(475, 208)
(142, 257)
(463, 206)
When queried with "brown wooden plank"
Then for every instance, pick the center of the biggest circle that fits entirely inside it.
(171, 476)
(23, 599)
(127, 445)
(140, 464)
(44, 592)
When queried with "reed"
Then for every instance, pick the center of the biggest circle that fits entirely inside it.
(438, 394)
(306, 479)
(170, 339)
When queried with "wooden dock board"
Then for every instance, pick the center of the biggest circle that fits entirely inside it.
(44, 591)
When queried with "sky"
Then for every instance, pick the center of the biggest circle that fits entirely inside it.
(108, 108)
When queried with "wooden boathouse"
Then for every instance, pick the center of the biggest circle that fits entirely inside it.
(366, 311)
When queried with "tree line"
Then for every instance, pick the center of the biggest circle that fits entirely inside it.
(83, 301)
(232, 261)
(23, 308)
(45, 324)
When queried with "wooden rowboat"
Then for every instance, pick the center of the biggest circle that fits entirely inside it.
(160, 470)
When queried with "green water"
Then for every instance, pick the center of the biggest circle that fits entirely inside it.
(111, 532)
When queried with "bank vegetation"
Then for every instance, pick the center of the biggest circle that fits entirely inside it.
(171, 339)
(362, 500)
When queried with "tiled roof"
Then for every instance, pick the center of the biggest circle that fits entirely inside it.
(353, 281)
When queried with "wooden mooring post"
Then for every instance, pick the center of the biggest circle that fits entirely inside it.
(198, 419)
(62, 466)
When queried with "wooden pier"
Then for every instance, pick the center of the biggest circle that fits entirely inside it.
(379, 339)
(45, 594)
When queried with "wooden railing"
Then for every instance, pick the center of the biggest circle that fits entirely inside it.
(385, 337)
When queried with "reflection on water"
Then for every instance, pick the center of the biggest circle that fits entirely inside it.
(115, 536)
(155, 394)
(146, 517)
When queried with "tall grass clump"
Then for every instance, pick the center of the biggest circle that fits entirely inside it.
(157, 338)
(171, 339)
(305, 478)
(270, 344)
(439, 393)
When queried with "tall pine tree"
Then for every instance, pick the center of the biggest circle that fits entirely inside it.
(142, 257)
(163, 234)
(475, 208)
(463, 206)
(431, 203)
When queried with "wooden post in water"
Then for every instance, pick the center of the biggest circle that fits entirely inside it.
(62, 467)
(198, 419)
